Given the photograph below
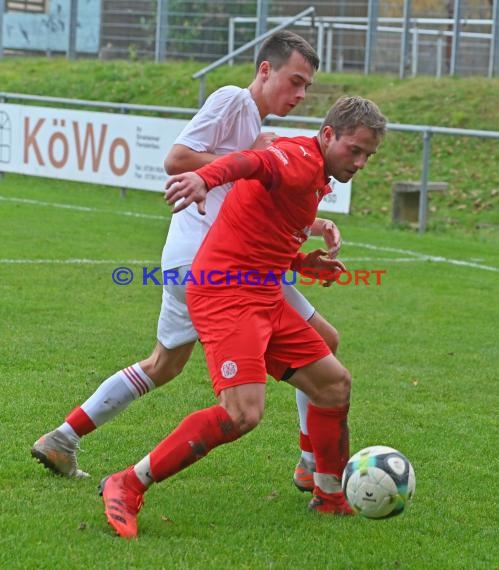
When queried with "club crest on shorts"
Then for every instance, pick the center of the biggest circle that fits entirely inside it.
(229, 369)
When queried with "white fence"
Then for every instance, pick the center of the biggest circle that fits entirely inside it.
(430, 48)
(404, 36)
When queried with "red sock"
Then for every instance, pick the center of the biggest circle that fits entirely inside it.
(80, 422)
(328, 433)
(196, 435)
(133, 481)
(305, 444)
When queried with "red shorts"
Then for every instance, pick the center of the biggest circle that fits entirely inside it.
(246, 337)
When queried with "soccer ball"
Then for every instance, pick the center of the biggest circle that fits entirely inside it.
(378, 482)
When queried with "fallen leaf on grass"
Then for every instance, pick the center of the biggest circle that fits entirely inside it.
(272, 496)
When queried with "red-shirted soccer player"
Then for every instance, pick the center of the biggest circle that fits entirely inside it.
(236, 303)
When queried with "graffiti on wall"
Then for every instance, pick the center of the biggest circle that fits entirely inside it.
(49, 32)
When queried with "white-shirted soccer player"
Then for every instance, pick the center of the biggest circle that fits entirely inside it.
(230, 120)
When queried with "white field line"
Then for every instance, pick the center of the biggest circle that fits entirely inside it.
(116, 262)
(150, 264)
(86, 208)
(416, 256)
(413, 255)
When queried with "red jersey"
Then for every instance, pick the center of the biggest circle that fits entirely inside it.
(264, 219)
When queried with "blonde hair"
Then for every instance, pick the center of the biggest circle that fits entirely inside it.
(349, 113)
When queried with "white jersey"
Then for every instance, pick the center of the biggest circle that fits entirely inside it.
(228, 121)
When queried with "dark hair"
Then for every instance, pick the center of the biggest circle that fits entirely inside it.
(349, 113)
(278, 49)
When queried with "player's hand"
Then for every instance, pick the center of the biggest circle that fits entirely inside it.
(323, 267)
(264, 139)
(188, 187)
(332, 238)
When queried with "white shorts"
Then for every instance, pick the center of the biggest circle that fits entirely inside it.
(175, 327)
(298, 301)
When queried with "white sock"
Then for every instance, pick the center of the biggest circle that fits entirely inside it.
(327, 483)
(308, 456)
(70, 433)
(116, 393)
(301, 403)
(143, 471)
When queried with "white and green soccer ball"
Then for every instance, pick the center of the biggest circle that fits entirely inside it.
(378, 482)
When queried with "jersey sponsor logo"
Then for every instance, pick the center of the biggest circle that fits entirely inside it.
(229, 369)
(280, 154)
(305, 153)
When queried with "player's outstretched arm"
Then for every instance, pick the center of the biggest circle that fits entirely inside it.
(318, 264)
(188, 187)
(264, 139)
(330, 233)
(192, 186)
(181, 159)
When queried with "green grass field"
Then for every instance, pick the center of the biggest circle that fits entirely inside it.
(422, 348)
(467, 164)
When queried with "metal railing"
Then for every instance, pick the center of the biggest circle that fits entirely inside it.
(201, 75)
(455, 37)
(121, 107)
(426, 131)
(438, 30)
